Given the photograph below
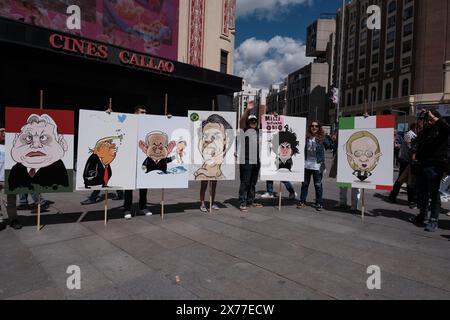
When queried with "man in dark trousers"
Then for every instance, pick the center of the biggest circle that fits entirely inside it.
(142, 192)
(429, 162)
(38, 151)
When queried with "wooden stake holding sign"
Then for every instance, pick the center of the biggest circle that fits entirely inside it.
(162, 190)
(210, 183)
(363, 204)
(41, 106)
(109, 111)
(279, 197)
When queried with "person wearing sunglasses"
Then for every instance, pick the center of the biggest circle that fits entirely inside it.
(314, 164)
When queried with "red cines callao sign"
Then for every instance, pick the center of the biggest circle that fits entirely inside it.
(100, 51)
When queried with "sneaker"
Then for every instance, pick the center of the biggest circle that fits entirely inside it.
(115, 197)
(127, 215)
(243, 208)
(392, 199)
(412, 205)
(146, 212)
(88, 201)
(15, 224)
(215, 207)
(267, 195)
(432, 226)
(2, 226)
(319, 207)
(293, 195)
(203, 209)
(301, 205)
(257, 205)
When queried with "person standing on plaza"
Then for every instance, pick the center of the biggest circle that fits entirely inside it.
(143, 210)
(7, 202)
(404, 171)
(314, 164)
(270, 194)
(429, 157)
(249, 160)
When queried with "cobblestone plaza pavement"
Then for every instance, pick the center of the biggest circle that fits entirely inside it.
(263, 254)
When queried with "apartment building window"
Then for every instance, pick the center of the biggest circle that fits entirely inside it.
(350, 68)
(362, 63)
(373, 94)
(376, 44)
(362, 50)
(389, 53)
(351, 55)
(375, 58)
(389, 66)
(388, 91)
(405, 87)
(349, 99)
(391, 22)
(408, 13)
(406, 61)
(223, 61)
(361, 75)
(360, 96)
(407, 46)
(363, 36)
(407, 29)
(392, 6)
(391, 37)
(374, 71)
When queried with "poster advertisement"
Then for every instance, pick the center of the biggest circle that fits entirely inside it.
(106, 157)
(214, 145)
(283, 148)
(39, 150)
(163, 148)
(366, 152)
(147, 26)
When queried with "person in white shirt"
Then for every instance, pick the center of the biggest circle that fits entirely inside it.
(7, 202)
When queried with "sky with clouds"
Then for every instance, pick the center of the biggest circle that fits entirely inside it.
(270, 37)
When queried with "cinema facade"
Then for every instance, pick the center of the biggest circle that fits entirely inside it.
(80, 72)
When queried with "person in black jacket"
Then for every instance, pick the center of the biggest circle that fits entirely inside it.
(97, 171)
(38, 151)
(429, 160)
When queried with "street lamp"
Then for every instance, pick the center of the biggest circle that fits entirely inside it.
(401, 112)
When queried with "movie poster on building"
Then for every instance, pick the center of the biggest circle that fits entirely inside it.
(106, 156)
(282, 148)
(147, 26)
(39, 150)
(366, 152)
(163, 152)
(214, 145)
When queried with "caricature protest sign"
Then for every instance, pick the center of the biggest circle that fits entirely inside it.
(106, 158)
(282, 148)
(213, 146)
(39, 150)
(163, 152)
(366, 152)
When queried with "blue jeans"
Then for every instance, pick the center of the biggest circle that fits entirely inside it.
(287, 184)
(317, 176)
(428, 183)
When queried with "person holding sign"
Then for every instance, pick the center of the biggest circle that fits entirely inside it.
(430, 161)
(250, 162)
(314, 164)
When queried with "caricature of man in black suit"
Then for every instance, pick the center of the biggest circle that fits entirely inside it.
(157, 148)
(38, 151)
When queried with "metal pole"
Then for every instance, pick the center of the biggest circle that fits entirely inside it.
(341, 60)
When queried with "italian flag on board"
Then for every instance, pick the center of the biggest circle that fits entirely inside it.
(383, 128)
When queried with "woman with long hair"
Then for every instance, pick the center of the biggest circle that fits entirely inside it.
(314, 164)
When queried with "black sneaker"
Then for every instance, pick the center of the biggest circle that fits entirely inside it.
(432, 226)
(15, 224)
(301, 205)
(391, 199)
(44, 207)
(2, 226)
(319, 207)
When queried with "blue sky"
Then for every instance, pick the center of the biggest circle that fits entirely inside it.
(270, 36)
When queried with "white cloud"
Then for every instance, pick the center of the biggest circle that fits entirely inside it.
(262, 63)
(266, 9)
